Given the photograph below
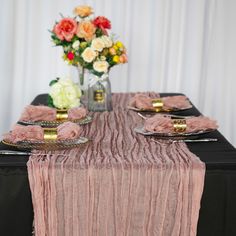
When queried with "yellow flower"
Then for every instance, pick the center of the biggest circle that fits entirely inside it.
(119, 44)
(116, 59)
(115, 47)
(83, 11)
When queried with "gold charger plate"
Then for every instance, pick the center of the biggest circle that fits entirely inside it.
(56, 123)
(159, 109)
(48, 145)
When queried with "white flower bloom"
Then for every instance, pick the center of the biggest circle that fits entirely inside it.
(107, 41)
(101, 66)
(97, 44)
(76, 44)
(65, 94)
(89, 55)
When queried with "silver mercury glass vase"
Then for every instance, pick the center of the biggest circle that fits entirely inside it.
(99, 93)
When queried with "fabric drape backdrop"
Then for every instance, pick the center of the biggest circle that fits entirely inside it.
(183, 46)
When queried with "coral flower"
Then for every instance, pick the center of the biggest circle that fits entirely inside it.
(65, 29)
(123, 58)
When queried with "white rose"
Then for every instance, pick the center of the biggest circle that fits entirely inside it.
(55, 89)
(97, 44)
(101, 66)
(76, 44)
(107, 41)
(89, 55)
(65, 94)
(61, 102)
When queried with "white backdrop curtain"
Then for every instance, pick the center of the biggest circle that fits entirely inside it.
(183, 46)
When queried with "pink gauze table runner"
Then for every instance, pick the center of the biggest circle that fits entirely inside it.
(120, 183)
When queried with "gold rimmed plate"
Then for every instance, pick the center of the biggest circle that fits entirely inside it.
(158, 106)
(47, 145)
(181, 135)
(156, 110)
(56, 123)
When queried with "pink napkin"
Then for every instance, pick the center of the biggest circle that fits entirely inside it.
(142, 101)
(67, 130)
(77, 113)
(163, 124)
(44, 113)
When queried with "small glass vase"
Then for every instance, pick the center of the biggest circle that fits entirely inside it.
(99, 93)
(83, 81)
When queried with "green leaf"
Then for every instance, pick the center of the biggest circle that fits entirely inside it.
(50, 101)
(53, 81)
(99, 32)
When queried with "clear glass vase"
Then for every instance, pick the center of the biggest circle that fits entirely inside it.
(99, 93)
(83, 81)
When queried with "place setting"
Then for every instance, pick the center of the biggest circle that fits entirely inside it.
(142, 102)
(51, 117)
(55, 126)
(160, 123)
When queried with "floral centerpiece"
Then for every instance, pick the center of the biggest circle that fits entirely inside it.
(86, 42)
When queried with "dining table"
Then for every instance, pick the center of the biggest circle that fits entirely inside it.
(217, 215)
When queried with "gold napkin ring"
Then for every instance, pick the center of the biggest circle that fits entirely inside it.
(180, 125)
(50, 134)
(157, 103)
(62, 114)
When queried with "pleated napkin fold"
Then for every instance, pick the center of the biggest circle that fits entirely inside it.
(65, 131)
(45, 113)
(143, 101)
(164, 124)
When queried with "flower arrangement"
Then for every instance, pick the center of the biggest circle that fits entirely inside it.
(64, 94)
(86, 42)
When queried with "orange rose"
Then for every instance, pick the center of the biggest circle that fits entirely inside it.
(83, 11)
(86, 30)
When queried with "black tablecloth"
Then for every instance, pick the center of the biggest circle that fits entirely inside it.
(218, 205)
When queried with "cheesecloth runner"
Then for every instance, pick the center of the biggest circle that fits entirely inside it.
(120, 183)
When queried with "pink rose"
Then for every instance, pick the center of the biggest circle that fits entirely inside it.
(65, 29)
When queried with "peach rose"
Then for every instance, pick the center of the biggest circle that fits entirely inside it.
(65, 29)
(89, 55)
(86, 30)
(83, 11)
